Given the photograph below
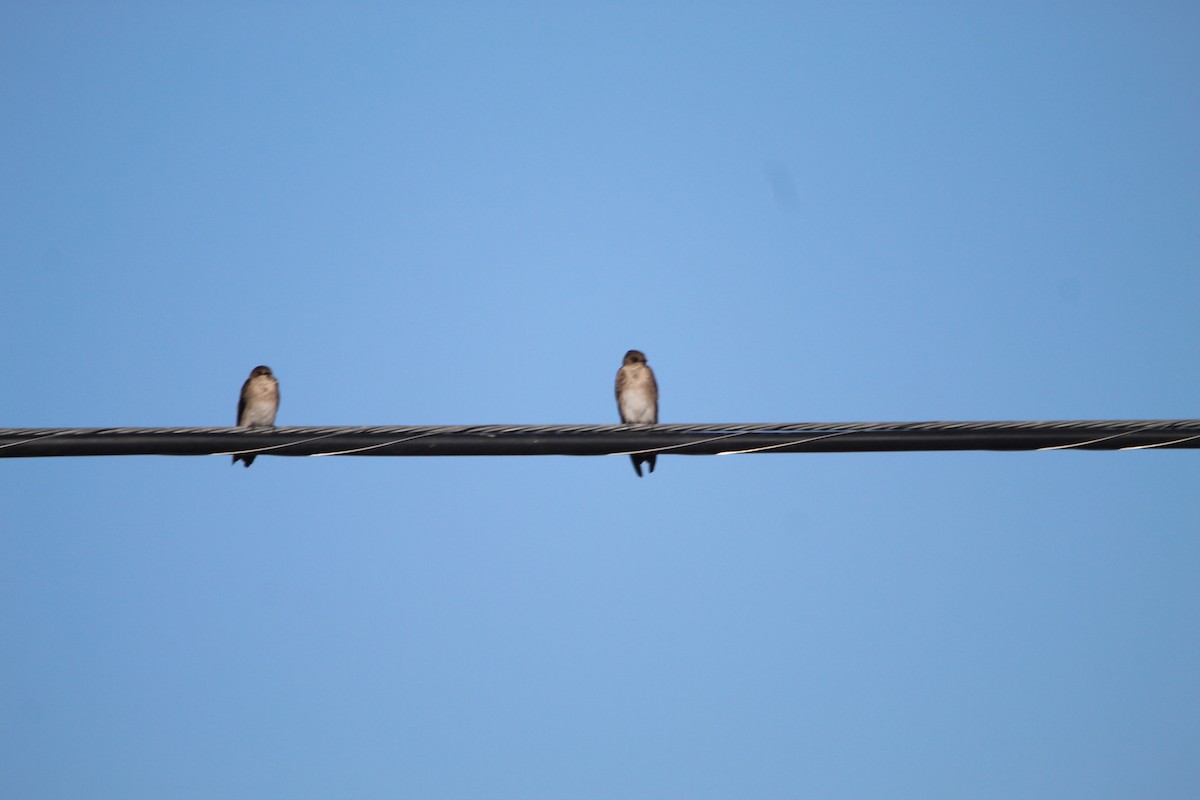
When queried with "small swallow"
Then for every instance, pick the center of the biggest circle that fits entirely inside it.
(637, 399)
(258, 404)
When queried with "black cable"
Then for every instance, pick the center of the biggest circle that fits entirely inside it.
(593, 440)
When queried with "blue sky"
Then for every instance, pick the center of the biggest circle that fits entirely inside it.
(466, 213)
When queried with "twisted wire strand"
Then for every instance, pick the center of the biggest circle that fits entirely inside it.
(683, 438)
(1171, 444)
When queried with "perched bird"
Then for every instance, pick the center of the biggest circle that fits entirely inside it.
(637, 399)
(258, 404)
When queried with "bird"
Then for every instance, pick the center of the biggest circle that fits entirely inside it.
(637, 399)
(257, 405)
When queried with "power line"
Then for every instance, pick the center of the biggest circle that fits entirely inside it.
(594, 440)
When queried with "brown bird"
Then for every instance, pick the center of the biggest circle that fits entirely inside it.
(258, 404)
(637, 399)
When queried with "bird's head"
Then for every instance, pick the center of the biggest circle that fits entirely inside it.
(635, 357)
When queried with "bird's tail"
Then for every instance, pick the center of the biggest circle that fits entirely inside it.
(639, 460)
(248, 460)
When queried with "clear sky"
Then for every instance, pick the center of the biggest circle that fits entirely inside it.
(461, 213)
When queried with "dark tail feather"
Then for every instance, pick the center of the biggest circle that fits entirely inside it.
(639, 460)
(250, 460)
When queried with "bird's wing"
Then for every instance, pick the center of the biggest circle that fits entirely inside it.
(242, 401)
(653, 392)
